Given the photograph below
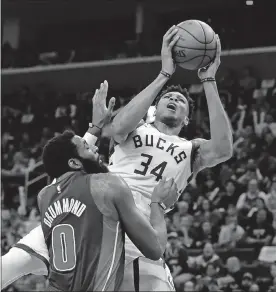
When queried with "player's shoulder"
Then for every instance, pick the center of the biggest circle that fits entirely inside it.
(108, 182)
(42, 193)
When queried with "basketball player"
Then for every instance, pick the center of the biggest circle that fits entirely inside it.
(145, 153)
(82, 216)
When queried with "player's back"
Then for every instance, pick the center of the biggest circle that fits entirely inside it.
(82, 233)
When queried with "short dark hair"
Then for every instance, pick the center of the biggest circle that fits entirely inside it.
(57, 152)
(184, 91)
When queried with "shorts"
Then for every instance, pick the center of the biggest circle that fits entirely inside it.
(142, 274)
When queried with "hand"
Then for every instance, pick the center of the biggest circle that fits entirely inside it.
(22, 211)
(166, 192)
(210, 70)
(101, 115)
(169, 40)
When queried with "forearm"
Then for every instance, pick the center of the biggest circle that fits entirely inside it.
(157, 221)
(18, 263)
(220, 128)
(129, 117)
(241, 120)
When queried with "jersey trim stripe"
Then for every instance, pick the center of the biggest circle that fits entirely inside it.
(113, 256)
(32, 252)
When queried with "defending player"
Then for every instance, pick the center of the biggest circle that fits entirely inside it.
(146, 153)
(82, 216)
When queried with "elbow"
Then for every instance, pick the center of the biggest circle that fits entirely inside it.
(154, 254)
(117, 132)
(226, 149)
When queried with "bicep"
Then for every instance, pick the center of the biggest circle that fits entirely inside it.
(207, 156)
(120, 138)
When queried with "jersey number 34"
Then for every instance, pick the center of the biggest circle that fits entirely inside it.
(157, 171)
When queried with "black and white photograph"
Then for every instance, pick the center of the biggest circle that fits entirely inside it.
(138, 145)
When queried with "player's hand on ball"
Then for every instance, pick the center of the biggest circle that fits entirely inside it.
(101, 114)
(166, 192)
(169, 40)
(211, 70)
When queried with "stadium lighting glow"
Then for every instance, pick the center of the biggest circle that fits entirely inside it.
(249, 2)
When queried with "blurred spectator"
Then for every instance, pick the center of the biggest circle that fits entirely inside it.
(189, 287)
(231, 233)
(176, 259)
(208, 256)
(27, 117)
(271, 197)
(246, 204)
(229, 196)
(247, 282)
(204, 234)
(259, 232)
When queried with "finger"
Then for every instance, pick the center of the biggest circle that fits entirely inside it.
(170, 36)
(111, 105)
(171, 182)
(169, 31)
(94, 99)
(104, 90)
(174, 40)
(218, 51)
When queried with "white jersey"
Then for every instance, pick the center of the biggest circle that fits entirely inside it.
(142, 160)
(148, 155)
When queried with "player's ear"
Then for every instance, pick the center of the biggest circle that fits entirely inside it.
(74, 163)
(186, 121)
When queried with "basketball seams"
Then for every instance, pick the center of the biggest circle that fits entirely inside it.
(198, 66)
(195, 52)
(199, 49)
(207, 43)
(190, 34)
(193, 59)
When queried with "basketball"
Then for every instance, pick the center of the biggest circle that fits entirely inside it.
(196, 47)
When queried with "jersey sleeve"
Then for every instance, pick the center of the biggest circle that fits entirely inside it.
(34, 244)
(101, 191)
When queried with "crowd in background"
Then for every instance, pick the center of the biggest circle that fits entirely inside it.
(224, 217)
(94, 39)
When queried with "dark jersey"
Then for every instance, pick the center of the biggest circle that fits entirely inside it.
(83, 234)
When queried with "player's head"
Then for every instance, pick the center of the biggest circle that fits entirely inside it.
(174, 107)
(69, 152)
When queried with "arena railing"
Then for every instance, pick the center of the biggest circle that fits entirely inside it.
(33, 176)
(132, 73)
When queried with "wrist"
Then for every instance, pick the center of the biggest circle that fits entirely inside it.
(160, 204)
(94, 130)
(163, 76)
(207, 79)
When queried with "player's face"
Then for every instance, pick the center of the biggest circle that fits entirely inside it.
(172, 108)
(89, 156)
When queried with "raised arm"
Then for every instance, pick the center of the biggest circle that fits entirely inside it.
(128, 118)
(149, 236)
(220, 147)
(101, 115)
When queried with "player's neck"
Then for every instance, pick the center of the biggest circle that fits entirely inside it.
(163, 128)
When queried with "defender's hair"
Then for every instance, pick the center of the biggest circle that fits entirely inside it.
(57, 152)
(184, 91)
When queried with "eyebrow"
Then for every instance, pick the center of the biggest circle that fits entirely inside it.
(179, 96)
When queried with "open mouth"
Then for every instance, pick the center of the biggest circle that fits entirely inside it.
(171, 106)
